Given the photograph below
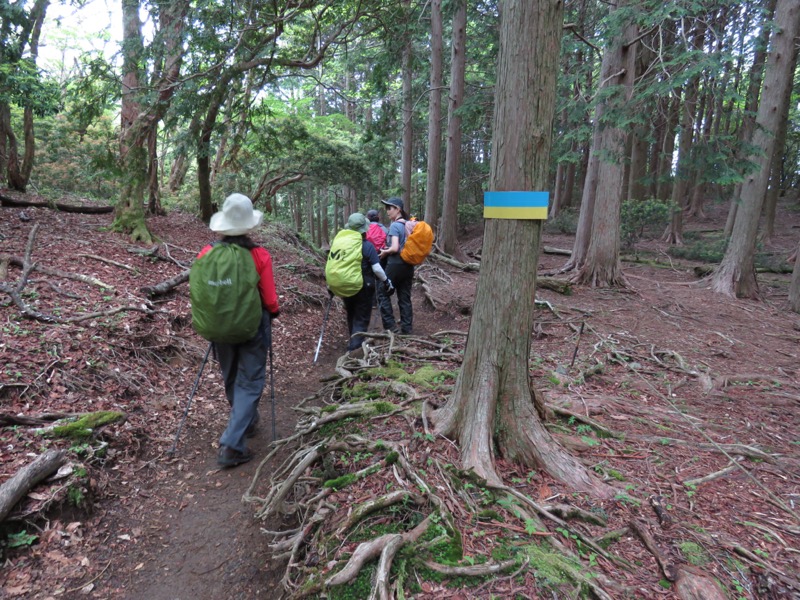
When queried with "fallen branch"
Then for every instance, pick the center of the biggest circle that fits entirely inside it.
(7, 419)
(88, 279)
(13, 490)
(737, 449)
(667, 566)
(448, 260)
(108, 261)
(711, 476)
(67, 208)
(166, 286)
(471, 570)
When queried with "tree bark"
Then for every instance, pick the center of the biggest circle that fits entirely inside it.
(736, 274)
(434, 118)
(747, 126)
(794, 287)
(674, 234)
(448, 229)
(602, 266)
(14, 489)
(774, 188)
(492, 410)
(408, 114)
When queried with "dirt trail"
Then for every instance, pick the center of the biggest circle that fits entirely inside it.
(192, 537)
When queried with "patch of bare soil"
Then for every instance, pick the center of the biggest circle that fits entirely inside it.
(665, 389)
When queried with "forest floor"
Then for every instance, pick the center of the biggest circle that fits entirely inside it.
(697, 385)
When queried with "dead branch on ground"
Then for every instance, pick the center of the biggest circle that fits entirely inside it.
(15, 293)
(13, 490)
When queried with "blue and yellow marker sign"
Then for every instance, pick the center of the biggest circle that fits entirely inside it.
(515, 205)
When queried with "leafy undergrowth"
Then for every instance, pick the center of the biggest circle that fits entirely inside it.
(379, 507)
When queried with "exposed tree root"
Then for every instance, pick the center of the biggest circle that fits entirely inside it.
(339, 484)
(370, 499)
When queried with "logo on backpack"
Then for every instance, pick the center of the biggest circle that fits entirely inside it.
(419, 242)
(343, 269)
(223, 287)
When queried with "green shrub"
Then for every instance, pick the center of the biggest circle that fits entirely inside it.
(469, 214)
(639, 218)
(565, 222)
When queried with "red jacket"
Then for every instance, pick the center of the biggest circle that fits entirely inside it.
(266, 284)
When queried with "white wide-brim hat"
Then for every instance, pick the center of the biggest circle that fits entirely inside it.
(237, 216)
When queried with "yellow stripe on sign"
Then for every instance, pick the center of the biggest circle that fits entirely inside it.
(514, 212)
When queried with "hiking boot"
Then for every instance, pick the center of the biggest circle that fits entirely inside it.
(228, 457)
(356, 353)
(252, 429)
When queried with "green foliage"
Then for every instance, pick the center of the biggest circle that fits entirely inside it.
(641, 217)
(566, 221)
(694, 553)
(73, 161)
(469, 214)
(22, 85)
(357, 589)
(708, 249)
(20, 539)
(550, 567)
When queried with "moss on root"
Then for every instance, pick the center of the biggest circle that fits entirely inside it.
(83, 427)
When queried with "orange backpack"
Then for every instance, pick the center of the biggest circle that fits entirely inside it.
(419, 242)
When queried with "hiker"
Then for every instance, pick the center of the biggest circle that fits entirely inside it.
(400, 272)
(350, 273)
(244, 364)
(377, 231)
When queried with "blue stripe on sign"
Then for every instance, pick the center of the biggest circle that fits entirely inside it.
(516, 199)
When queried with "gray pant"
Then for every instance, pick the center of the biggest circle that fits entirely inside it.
(244, 373)
(402, 276)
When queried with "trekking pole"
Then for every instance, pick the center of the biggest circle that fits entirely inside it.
(272, 387)
(577, 342)
(189, 403)
(321, 333)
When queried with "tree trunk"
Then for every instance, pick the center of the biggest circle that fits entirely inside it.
(177, 172)
(19, 172)
(664, 184)
(434, 118)
(751, 105)
(674, 235)
(492, 409)
(448, 229)
(736, 274)
(154, 189)
(129, 214)
(602, 266)
(774, 189)
(207, 204)
(408, 114)
(137, 119)
(794, 287)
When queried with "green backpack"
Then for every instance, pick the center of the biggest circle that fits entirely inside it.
(223, 287)
(343, 269)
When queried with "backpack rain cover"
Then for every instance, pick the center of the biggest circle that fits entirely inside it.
(343, 269)
(377, 235)
(223, 287)
(419, 242)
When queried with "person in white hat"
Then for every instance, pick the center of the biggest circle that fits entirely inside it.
(244, 366)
